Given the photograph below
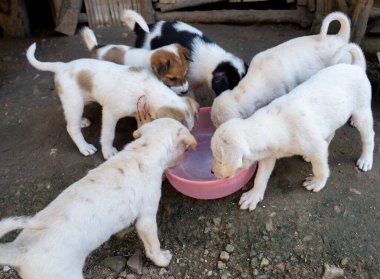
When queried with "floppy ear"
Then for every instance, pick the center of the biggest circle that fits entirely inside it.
(160, 63)
(186, 138)
(183, 51)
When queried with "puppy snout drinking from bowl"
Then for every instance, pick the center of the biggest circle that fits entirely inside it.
(121, 91)
(303, 122)
(276, 71)
(55, 242)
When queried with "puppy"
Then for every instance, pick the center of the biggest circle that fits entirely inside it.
(276, 71)
(56, 241)
(120, 90)
(303, 122)
(168, 63)
(210, 65)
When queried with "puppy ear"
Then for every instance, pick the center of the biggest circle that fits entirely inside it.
(184, 52)
(187, 138)
(160, 63)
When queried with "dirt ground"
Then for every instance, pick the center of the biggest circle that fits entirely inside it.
(292, 234)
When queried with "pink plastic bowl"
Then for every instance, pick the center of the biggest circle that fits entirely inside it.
(192, 176)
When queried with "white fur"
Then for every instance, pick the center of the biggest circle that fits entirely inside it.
(124, 189)
(130, 17)
(276, 71)
(302, 122)
(134, 57)
(117, 89)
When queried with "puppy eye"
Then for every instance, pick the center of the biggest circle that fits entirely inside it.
(173, 79)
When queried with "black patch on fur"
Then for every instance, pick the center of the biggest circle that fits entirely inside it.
(225, 76)
(169, 35)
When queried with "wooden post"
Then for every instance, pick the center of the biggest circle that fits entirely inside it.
(68, 16)
(360, 19)
(147, 11)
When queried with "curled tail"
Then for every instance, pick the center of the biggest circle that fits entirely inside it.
(357, 56)
(10, 253)
(89, 38)
(43, 66)
(130, 18)
(345, 26)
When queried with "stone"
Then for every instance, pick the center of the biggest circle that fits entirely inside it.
(264, 262)
(116, 263)
(229, 248)
(162, 271)
(135, 262)
(280, 266)
(224, 256)
(269, 225)
(344, 261)
(131, 276)
(332, 271)
(217, 221)
(221, 265)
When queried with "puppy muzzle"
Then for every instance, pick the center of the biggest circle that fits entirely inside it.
(181, 90)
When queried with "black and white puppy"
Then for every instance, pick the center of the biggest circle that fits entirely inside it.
(210, 66)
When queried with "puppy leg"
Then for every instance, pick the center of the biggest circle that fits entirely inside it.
(319, 162)
(108, 134)
(364, 124)
(73, 110)
(256, 194)
(147, 230)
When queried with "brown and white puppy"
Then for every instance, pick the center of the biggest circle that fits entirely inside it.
(168, 63)
(120, 90)
(55, 242)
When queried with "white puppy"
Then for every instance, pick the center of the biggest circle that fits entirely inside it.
(302, 122)
(56, 241)
(274, 72)
(168, 63)
(120, 90)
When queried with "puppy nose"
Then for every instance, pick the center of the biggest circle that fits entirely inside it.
(212, 171)
(184, 92)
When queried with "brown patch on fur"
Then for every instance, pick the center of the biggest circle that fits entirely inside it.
(120, 170)
(84, 79)
(171, 113)
(58, 87)
(115, 55)
(170, 67)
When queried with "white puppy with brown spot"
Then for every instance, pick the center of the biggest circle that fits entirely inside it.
(127, 188)
(276, 71)
(302, 122)
(120, 90)
(168, 63)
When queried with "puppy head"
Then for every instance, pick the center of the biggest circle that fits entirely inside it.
(227, 75)
(186, 112)
(229, 149)
(171, 133)
(170, 65)
(224, 108)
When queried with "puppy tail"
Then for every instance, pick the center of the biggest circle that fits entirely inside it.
(43, 66)
(345, 26)
(130, 18)
(89, 38)
(10, 253)
(357, 56)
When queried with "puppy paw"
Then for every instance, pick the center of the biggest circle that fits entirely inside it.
(313, 184)
(108, 153)
(88, 149)
(85, 123)
(364, 163)
(249, 200)
(163, 258)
